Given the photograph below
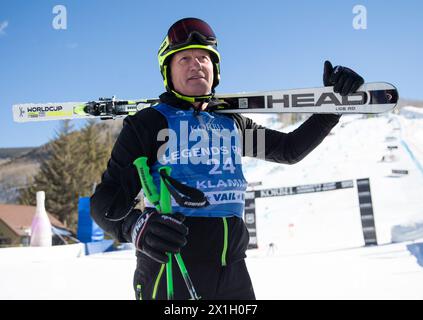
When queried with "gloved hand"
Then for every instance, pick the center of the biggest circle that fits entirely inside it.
(156, 234)
(343, 79)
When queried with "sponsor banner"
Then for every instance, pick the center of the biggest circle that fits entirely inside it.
(286, 191)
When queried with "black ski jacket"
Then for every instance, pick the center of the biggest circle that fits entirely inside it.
(208, 239)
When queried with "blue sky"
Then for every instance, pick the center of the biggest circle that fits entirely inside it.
(109, 48)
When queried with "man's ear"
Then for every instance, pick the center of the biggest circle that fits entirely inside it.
(169, 76)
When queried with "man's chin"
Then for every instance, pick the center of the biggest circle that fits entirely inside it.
(197, 92)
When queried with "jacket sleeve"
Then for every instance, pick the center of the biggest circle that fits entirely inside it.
(287, 148)
(120, 184)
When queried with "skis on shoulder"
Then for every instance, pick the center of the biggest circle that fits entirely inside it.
(374, 97)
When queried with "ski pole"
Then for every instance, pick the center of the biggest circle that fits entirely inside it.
(166, 205)
(166, 208)
(153, 196)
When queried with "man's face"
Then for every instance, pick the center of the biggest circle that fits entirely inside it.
(192, 72)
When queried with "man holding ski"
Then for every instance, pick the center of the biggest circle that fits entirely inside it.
(205, 180)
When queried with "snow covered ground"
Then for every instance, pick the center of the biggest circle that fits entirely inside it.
(318, 248)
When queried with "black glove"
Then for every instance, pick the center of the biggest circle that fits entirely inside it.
(156, 234)
(343, 79)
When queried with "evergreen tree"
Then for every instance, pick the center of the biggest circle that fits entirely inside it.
(75, 165)
(55, 177)
(94, 149)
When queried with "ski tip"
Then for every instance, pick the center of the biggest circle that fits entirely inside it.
(395, 94)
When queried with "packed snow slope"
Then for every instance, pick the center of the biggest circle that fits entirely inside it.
(310, 245)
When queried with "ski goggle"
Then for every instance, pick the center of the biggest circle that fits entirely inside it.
(183, 31)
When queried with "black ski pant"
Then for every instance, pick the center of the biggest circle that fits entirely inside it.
(211, 281)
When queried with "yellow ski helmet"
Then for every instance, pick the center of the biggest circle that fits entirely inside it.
(188, 33)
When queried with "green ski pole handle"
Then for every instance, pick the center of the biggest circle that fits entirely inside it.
(147, 183)
(166, 206)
